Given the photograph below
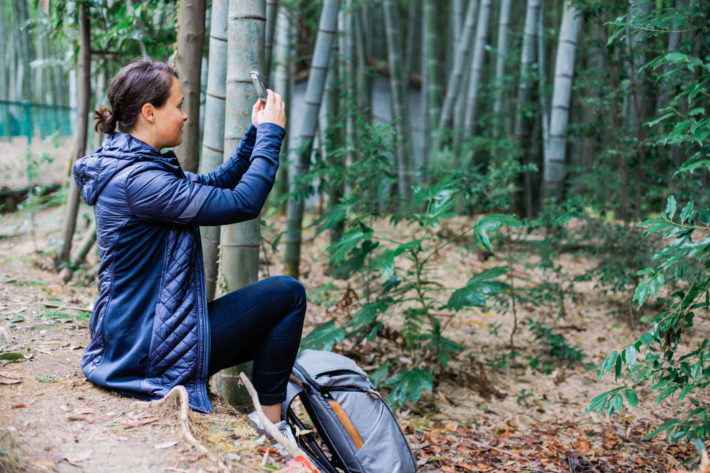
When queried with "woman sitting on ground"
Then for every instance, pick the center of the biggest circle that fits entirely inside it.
(151, 327)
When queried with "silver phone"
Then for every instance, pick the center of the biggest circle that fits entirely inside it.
(258, 85)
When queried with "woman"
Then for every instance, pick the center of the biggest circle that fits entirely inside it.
(152, 328)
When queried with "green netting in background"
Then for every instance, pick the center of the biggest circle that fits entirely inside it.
(35, 120)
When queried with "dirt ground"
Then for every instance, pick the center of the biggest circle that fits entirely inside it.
(48, 157)
(482, 418)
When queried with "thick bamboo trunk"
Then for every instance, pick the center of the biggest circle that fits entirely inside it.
(213, 140)
(463, 51)
(502, 46)
(240, 242)
(190, 41)
(400, 112)
(522, 122)
(304, 143)
(477, 65)
(554, 168)
(272, 7)
(282, 85)
(82, 122)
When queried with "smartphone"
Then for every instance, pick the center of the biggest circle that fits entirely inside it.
(258, 85)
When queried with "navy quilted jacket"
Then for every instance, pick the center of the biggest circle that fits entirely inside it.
(149, 327)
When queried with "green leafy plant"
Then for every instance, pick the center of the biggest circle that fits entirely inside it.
(406, 289)
(557, 349)
(683, 263)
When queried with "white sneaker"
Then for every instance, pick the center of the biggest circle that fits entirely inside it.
(282, 426)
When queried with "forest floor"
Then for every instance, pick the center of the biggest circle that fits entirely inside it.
(490, 412)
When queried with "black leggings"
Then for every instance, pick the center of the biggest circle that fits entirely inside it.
(260, 322)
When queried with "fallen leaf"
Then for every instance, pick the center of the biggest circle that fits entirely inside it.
(11, 356)
(82, 411)
(78, 457)
(166, 444)
(9, 374)
(17, 406)
(47, 463)
(582, 445)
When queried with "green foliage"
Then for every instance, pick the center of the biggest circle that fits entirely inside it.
(404, 286)
(557, 348)
(118, 29)
(667, 366)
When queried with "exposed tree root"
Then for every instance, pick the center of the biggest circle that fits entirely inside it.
(290, 447)
(177, 399)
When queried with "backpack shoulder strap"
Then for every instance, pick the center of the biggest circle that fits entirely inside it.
(293, 389)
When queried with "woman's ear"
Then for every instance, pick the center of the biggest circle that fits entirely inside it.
(148, 112)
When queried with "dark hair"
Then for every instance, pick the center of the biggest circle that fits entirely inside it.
(140, 82)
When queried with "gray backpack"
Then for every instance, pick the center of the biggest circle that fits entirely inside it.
(350, 417)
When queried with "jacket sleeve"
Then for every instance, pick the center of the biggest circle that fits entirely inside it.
(229, 173)
(159, 195)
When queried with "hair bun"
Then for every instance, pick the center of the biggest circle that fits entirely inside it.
(104, 120)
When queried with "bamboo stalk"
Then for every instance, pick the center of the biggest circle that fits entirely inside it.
(282, 85)
(271, 10)
(503, 33)
(80, 135)
(522, 124)
(463, 50)
(213, 140)
(433, 89)
(240, 242)
(554, 169)
(400, 113)
(314, 95)
(188, 60)
(477, 65)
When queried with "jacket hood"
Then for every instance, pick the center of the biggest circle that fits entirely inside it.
(119, 151)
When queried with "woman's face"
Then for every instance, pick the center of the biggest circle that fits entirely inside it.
(170, 118)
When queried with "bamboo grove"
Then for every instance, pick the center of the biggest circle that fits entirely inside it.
(517, 114)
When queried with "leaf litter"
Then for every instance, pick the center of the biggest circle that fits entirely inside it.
(484, 415)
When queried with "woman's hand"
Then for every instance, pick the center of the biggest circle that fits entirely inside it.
(270, 112)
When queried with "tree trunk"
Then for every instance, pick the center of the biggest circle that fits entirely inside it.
(271, 9)
(24, 44)
(213, 141)
(432, 64)
(80, 134)
(477, 66)
(363, 77)
(523, 124)
(240, 242)
(411, 39)
(400, 112)
(554, 168)
(463, 50)
(333, 132)
(457, 13)
(3, 57)
(304, 144)
(542, 80)
(500, 86)
(347, 81)
(673, 42)
(190, 42)
(282, 85)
